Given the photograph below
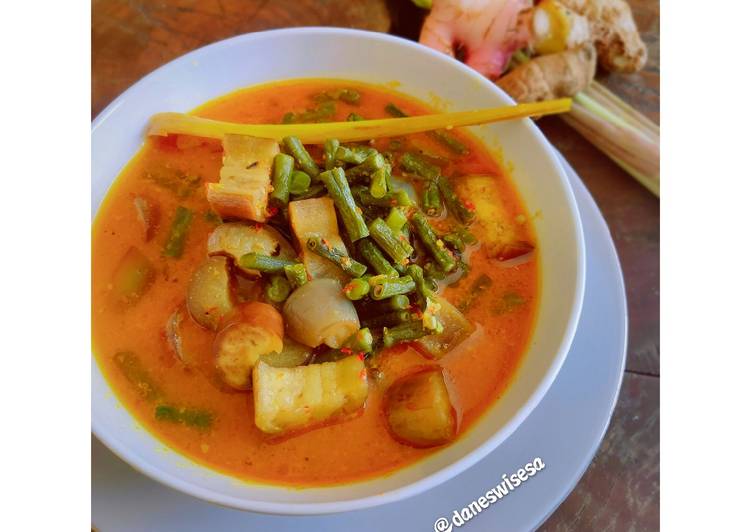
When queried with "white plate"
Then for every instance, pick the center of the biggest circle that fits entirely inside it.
(564, 430)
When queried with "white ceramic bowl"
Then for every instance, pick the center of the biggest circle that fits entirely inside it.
(209, 72)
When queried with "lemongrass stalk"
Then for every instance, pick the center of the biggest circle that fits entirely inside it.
(166, 123)
(626, 136)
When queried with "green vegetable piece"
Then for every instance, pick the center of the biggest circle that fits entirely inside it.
(455, 205)
(354, 117)
(379, 185)
(416, 165)
(296, 274)
(356, 289)
(388, 319)
(508, 302)
(134, 372)
(299, 182)
(199, 419)
(296, 148)
(436, 247)
(283, 166)
(277, 289)
(418, 276)
(404, 332)
(391, 199)
(338, 187)
(353, 268)
(264, 263)
(394, 244)
(373, 256)
(329, 152)
(178, 232)
(396, 219)
(313, 191)
(383, 287)
(132, 277)
(441, 136)
(431, 200)
(354, 154)
(361, 341)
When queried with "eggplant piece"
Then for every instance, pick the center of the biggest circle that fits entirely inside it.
(418, 409)
(293, 354)
(245, 178)
(258, 330)
(132, 277)
(456, 329)
(209, 295)
(147, 214)
(319, 313)
(291, 399)
(236, 239)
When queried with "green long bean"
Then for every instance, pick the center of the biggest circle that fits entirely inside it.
(373, 256)
(178, 232)
(436, 247)
(412, 330)
(338, 187)
(301, 155)
(264, 263)
(393, 244)
(383, 287)
(455, 205)
(283, 166)
(345, 262)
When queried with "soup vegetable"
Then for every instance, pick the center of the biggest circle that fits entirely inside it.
(311, 314)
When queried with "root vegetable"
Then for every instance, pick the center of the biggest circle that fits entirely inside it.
(619, 45)
(551, 76)
(238, 239)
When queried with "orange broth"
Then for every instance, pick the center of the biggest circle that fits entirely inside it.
(478, 372)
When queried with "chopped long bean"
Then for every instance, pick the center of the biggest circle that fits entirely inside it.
(301, 155)
(396, 219)
(404, 332)
(383, 287)
(361, 341)
(299, 182)
(373, 256)
(336, 184)
(435, 246)
(277, 289)
(354, 154)
(391, 243)
(313, 191)
(379, 186)
(414, 164)
(431, 200)
(200, 419)
(345, 262)
(371, 164)
(418, 276)
(390, 199)
(264, 263)
(356, 289)
(135, 373)
(441, 136)
(455, 205)
(389, 319)
(296, 274)
(178, 232)
(478, 286)
(283, 166)
(354, 117)
(329, 151)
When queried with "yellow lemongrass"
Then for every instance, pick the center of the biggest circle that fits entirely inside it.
(166, 123)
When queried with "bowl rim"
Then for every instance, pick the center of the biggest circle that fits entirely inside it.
(442, 475)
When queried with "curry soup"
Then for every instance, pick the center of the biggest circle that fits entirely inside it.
(324, 341)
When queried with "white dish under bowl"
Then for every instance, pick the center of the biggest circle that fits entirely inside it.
(209, 72)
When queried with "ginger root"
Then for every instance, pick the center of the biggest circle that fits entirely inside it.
(551, 76)
(619, 46)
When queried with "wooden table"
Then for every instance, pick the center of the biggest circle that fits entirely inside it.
(620, 491)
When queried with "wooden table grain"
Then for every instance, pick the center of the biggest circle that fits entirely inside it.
(620, 490)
